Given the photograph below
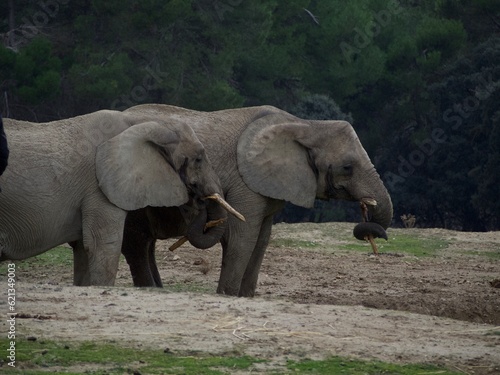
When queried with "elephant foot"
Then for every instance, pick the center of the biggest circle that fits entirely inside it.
(228, 291)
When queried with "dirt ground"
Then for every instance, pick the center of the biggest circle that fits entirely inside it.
(314, 299)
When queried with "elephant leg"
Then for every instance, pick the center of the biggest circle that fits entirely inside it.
(102, 226)
(249, 282)
(81, 273)
(153, 268)
(139, 250)
(237, 245)
(142, 264)
(236, 253)
(240, 239)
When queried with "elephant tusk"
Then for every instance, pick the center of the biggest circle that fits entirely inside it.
(216, 197)
(369, 201)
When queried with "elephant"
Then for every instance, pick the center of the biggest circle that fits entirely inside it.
(263, 157)
(4, 148)
(74, 180)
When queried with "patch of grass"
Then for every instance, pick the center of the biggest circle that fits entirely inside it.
(36, 358)
(294, 243)
(337, 365)
(42, 357)
(402, 243)
(59, 256)
(175, 286)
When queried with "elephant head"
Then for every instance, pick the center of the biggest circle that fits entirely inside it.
(290, 159)
(133, 174)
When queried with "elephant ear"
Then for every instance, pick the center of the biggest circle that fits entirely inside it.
(273, 162)
(133, 172)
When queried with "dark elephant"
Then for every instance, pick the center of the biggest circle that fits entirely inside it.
(4, 148)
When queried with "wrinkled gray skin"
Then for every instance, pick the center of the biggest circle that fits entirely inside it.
(74, 180)
(263, 157)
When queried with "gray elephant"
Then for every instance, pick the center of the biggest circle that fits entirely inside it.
(263, 157)
(74, 180)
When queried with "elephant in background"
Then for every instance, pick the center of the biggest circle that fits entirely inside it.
(4, 148)
(74, 180)
(263, 157)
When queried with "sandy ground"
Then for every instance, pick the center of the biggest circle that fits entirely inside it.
(315, 299)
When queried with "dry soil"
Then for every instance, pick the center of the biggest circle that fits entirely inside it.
(314, 299)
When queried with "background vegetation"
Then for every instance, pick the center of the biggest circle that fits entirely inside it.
(419, 79)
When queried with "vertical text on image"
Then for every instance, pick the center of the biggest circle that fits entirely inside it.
(11, 314)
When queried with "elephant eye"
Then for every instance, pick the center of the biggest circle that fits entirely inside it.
(347, 169)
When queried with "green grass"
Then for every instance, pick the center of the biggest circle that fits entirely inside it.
(410, 244)
(493, 255)
(339, 365)
(42, 357)
(402, 243)
(294, 243)
(59, 256)
(36, 358)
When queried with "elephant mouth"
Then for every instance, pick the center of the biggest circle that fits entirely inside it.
(334, 190)
(212, 223)
(364, 203)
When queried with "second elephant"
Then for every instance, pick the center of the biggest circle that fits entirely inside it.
(263, 157)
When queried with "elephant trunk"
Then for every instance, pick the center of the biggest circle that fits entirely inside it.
(198, 234)
(381, 212)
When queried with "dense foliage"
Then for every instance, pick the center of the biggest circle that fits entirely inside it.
(419, 79)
